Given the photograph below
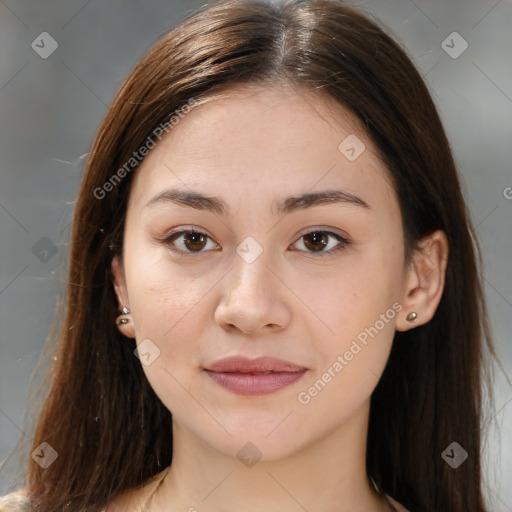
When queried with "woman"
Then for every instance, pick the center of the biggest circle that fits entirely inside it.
(274, 297)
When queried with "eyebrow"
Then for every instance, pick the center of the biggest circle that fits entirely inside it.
(217, 205)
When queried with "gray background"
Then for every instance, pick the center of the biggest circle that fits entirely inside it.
(50, 109)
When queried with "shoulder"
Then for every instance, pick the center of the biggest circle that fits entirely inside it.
(136, 499)
(19, 501)
(133, 500)
(16, 501)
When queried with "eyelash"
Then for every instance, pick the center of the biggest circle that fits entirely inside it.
(343, 242)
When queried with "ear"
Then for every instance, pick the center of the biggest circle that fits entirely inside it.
(119, 282)
(424, 280)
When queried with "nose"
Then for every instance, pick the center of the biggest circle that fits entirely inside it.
(253, 299)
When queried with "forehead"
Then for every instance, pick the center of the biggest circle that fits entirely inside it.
(259, 142)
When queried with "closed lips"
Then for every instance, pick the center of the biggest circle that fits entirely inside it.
(260, 376)
(238, 364)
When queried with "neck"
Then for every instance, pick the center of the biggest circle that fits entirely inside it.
(328, 475)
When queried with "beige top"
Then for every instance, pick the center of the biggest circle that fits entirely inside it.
(17, 501)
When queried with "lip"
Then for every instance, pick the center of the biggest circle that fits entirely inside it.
(259, 365)
(250, 376)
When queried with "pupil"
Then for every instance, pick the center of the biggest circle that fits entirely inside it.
(195, 238)
(317, 237)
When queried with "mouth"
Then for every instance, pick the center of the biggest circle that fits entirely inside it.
(239, 364)
(259, 376)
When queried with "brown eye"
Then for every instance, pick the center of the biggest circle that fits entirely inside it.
(317, 241)
(188, 241)
(195, 241)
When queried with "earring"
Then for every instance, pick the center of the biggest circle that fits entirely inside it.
(123, 319)
(411, 316)
(125, 324)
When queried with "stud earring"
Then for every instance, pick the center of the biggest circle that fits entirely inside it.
(411, 316)
(123, 319)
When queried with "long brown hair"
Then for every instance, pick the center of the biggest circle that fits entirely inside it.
(111, 431)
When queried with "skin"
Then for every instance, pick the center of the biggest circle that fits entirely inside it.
(253, 147)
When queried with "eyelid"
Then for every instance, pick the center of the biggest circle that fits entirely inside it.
(344, 241)
(181, 230)
(322, 229)
(186, 229)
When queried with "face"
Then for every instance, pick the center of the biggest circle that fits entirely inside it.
(316, 281)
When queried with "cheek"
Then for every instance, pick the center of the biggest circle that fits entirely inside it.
(351, 296)
(169, 309)
(358, 308)
(352, 360)
(164, 296)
